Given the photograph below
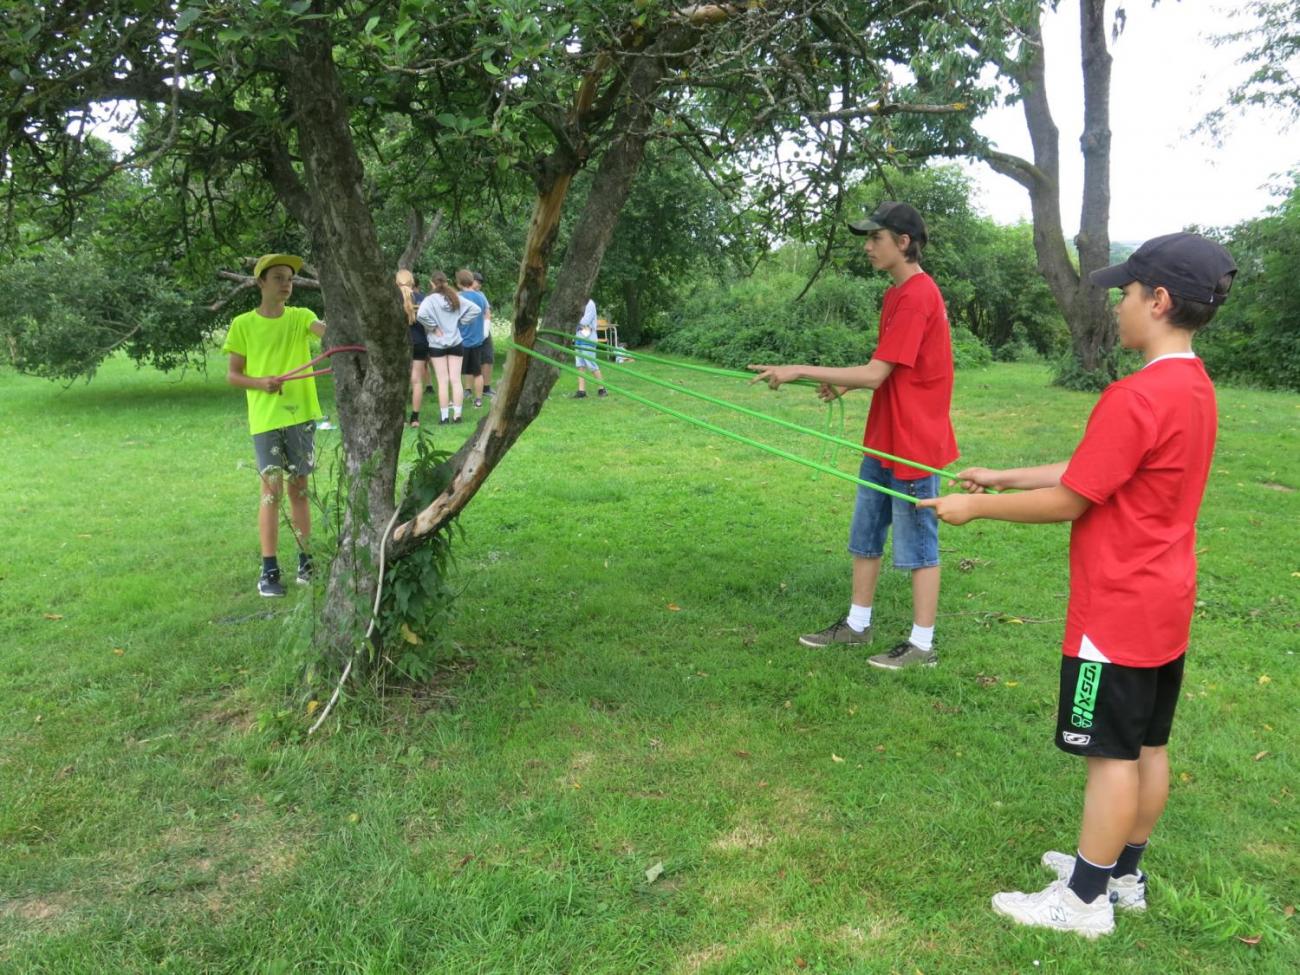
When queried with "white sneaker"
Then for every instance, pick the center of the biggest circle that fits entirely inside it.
(1057, 907)
(1127, 893)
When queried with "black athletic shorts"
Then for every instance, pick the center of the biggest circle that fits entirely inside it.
(456, 350)
(472, 364)
(419, 342)
(1111, 711)
(488, 356)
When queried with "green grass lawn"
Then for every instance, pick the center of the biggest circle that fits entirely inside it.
(624, 693)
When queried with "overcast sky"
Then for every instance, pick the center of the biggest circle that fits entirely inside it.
(1166, 75)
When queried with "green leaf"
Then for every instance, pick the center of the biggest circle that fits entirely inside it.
(187, 17)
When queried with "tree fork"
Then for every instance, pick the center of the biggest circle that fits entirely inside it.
(527, 381)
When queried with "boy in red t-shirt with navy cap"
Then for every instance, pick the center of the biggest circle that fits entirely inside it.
(911, 375)
(1132, 489)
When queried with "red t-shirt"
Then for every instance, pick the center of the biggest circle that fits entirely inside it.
(909, 411)
(1143, 463)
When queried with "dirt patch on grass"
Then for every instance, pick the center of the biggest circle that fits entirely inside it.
(798, 811)
(36, 910)
(212, 870)
(870, 929)
(746, 836)
(227, 714)
(697, 960)
(579, 763)
(764, 928)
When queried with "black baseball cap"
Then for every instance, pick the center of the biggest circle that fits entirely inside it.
(1187, 265)
(901, 218)
(478, 278)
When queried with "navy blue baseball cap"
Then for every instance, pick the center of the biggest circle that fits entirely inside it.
(1187, 265)
(901, 218)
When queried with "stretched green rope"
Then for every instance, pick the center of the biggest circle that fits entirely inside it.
(829, 438)
(713, 428)
(609, 350)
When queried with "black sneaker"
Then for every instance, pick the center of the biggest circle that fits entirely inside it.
(457, 418)
(837, 633)
(904, 655)
(269, 584)
(304, 572)
(602, 391)
(580, 394)
(443, 421)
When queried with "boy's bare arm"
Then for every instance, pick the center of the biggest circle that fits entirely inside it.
(869, 376)
(1040, 506)
(236, 376)
(317, 328)
(977, 479)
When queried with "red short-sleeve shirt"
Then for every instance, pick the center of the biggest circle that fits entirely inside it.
(909, 412)
(1143, 463)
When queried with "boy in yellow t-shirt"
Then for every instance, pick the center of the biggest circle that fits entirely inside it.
(262, 345)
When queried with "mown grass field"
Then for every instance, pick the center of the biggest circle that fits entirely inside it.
(625, 695)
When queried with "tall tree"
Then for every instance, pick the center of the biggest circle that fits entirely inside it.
(1085, 307)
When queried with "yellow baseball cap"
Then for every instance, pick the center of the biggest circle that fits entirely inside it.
(271, 260)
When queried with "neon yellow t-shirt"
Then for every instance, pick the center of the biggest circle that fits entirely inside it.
(271, 347)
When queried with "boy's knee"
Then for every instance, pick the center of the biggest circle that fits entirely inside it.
(272, 484)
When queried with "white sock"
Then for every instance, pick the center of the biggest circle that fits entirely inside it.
(922, 636)
(445, 411)
(859, 617)
(455, 410)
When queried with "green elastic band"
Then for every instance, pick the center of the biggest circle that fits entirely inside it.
(838, 441)
(710, 370)
(714, 428)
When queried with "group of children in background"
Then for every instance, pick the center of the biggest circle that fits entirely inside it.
(451, 335)
(1132, 490)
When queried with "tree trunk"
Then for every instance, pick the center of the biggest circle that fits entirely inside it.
(1083, 306)
(1094, 328)
(630, 327)
(363, 308)
(418, 236)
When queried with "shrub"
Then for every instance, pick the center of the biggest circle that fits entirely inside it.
(66, 310)
(968, 352)
(1254, 339)
(1068, 374)
(757, 321)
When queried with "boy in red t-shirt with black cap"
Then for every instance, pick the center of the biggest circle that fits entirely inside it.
(1132, 488)
(911, 375)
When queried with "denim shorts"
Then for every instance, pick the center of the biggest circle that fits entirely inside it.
(916, 530)
(291, 450)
